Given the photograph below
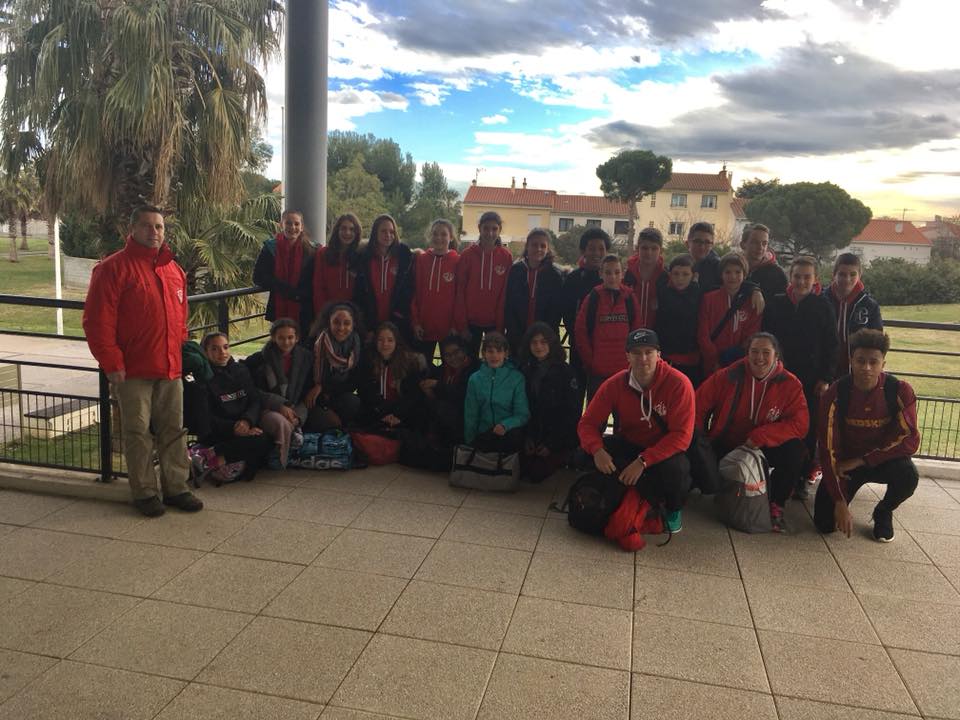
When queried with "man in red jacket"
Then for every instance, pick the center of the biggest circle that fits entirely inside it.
(135, 320)
(867, 433)
(654, 408)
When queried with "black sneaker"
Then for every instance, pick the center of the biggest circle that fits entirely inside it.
(188, 502)
(882, 524)
(151, 506)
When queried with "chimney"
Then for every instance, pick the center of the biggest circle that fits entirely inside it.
(474, 182)
(524, 183)
(513, 183)
(898, 228)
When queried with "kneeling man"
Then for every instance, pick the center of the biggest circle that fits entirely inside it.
(867, 433)
(653, 407)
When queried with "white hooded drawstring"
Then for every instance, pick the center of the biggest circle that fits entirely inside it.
(384, 269)
(646, 409)
(483, 260)
(736, 320)
(842, 320)
(755, 413)
(383, 381)
(533, 285)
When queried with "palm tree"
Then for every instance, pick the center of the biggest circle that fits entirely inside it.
(217, 249)
(138, 100)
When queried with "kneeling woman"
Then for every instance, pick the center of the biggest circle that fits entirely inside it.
(495, 410)
(281, 372)
(235, 447)
(758, 403)
(389, 382)
(336, 356)
(554, 400)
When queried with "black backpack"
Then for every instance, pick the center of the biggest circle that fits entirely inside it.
(891, 390)
(593, 299)
(591, 500)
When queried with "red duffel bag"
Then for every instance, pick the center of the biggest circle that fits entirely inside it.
(379, 450)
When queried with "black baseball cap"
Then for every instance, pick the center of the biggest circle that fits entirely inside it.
(642, 337)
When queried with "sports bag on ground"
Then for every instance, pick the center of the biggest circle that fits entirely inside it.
(331, 450)
(491, 471)
(742, 499)
(379, 449)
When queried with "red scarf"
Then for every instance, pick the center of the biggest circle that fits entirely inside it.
(286, 267)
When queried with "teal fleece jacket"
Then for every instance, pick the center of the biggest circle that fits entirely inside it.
(495, 396)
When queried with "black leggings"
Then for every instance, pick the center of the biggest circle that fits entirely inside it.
(667, 482)
(899, 475)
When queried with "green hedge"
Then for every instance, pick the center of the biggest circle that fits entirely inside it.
(896, 281)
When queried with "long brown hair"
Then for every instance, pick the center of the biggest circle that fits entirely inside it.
(335, 247)
(402, 362)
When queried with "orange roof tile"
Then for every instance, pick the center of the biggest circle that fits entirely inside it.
(699, 182)
(739, 207)
(524, 197)
(886, 232)
(590, 205)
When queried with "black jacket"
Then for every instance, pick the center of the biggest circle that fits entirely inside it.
(770, 278)
(264, 276)
(276, 389)
(677, 315)
(576, 286)
(231, 396)
(807, 333)
(400, 298)
(516, 302)
(707, 272)
(554, 405)
(375, 406)
(443, 413)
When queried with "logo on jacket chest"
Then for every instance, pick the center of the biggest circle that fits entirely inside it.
(859, 317)
(741, 316)
(614, 317)
(773, 414)
(661, 409)
(447, 277)
(499, 269)
(394, 270)
(180, 295)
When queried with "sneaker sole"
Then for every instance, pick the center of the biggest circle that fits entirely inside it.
(884, 540)
(674, 532)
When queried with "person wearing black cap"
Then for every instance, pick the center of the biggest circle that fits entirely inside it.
(654, 408)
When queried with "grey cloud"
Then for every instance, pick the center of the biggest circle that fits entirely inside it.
(471, 28)
(918, 174)
(392, 97)
(807, 105)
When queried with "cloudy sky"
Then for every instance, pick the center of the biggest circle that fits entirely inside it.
(864, 93)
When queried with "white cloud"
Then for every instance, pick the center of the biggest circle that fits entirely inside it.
(430, 93)
(348, 103)
(494, 119)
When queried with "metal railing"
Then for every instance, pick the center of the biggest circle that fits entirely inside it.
(75, 430)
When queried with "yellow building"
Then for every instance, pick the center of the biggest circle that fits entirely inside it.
(523, 209)
(688, 198)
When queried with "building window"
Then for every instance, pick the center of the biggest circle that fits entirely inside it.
(653, 200)
(565, 224)
(676, 228)
(708, 201)
(651, 224)
(678, 200)
(593, 223)
(621, 227)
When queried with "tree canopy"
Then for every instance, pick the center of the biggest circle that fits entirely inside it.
(809, 218)
(630, 175)
(756, 187)
(141, 101)
(433, 199)
(381, 157)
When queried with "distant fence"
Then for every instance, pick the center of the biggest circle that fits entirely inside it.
(81, 431)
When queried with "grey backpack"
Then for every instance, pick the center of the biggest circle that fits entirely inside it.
(743, 500)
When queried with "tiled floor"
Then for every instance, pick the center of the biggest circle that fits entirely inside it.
(384, 593)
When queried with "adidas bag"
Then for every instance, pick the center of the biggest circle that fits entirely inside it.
(331, 450)
(490, 471)
(743, 495)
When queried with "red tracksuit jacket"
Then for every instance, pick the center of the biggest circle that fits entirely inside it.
(670, 395)
(435, 296)
(481, 286)
(604, 353)
(866, 431)
(744, 323)
(331, 283)
(135, 316)
(769, 412)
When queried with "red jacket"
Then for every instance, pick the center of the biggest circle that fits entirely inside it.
(631, 521)
(604, 353)
(768, 412)
(669, 395)
(331, 283)
(435, 295)
(135, 316)
(865, 432)
(645, 290)
(481, 287)
(744, 323)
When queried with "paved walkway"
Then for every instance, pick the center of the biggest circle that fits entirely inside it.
(385, 593)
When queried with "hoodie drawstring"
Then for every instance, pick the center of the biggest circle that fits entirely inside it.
(755, 413)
